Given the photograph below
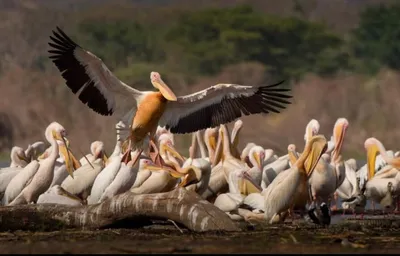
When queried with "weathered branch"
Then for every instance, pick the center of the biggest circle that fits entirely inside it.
(179, 205)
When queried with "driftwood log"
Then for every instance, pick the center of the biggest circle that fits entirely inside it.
(181, 206)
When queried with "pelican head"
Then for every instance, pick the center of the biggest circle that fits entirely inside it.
(339, 131)
(159, 84)
(236, 128)
(57, 132)
(166, 144)
(371, 145)
(210, 137)
(293, 156)
(17, 155)
(97, 149)
(312, 129)
(193, 174)
(256, 156)
(245, 152)
(316, 147)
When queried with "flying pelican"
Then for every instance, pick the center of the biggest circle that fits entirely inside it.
(43, 177)
(84, 177)
(278, 197)
(87, 76)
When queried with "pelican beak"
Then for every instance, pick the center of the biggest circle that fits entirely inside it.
(188, 178)
(247, 185)
(258, 160)
(339, 137)
(164, 89)
(173, 152)
(66, 153)
(104, 157)
(23, 158)
(318, 147)
(43, 156)
(292, 157)
(372, 151)
(213, 142)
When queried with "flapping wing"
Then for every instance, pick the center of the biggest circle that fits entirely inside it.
(220, 104)
(87, 76)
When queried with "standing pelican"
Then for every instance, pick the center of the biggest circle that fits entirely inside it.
(87, 76)
(329, 175)
(41, 181)
(279, 195)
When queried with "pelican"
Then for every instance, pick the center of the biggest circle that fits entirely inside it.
(35, 150)
(18, 157)
(90, 157)
(329, 173)
(210, 139)
(84, 177)
(202, 146)
(377, 187)
(19, 182)
(279, 195)
(123, 181)
(87, 76)
(256, 157)
(200, 162)
(108, 174)
(43, 177)
(58, 195)
(235, 138)
(244, 156)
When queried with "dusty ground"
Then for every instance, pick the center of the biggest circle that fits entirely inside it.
(352, 237)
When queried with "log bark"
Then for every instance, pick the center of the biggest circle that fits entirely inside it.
(182, 206)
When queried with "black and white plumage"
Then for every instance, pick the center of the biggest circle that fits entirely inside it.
(88, 77)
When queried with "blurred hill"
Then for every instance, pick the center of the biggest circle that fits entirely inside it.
(340, 57)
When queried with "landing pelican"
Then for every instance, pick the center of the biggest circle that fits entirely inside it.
(87, 76)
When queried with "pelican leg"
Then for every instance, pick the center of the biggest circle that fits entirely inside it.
(334, 201)
(155, 155)
(126, 157)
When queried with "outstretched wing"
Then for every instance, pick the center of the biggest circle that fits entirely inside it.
(87, 76)
(220, 104)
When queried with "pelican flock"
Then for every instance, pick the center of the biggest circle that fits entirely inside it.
(252, 183)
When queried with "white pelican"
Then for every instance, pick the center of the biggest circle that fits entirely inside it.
(256, 156)
(58, 195)
(210, 139)
(35, 150)
(202, 146)
(235, 138)
(200, 162)
(90, 157)
(124, 180)
(108, 174)
(84, 177)
(19, 182)
(279, 195)
(328, 175)
(244, 156)
(41, 181)
(87, 76)
(18, 157)
(377, 187)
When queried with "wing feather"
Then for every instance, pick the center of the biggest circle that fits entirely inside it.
(88, 77)
(222, 103)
